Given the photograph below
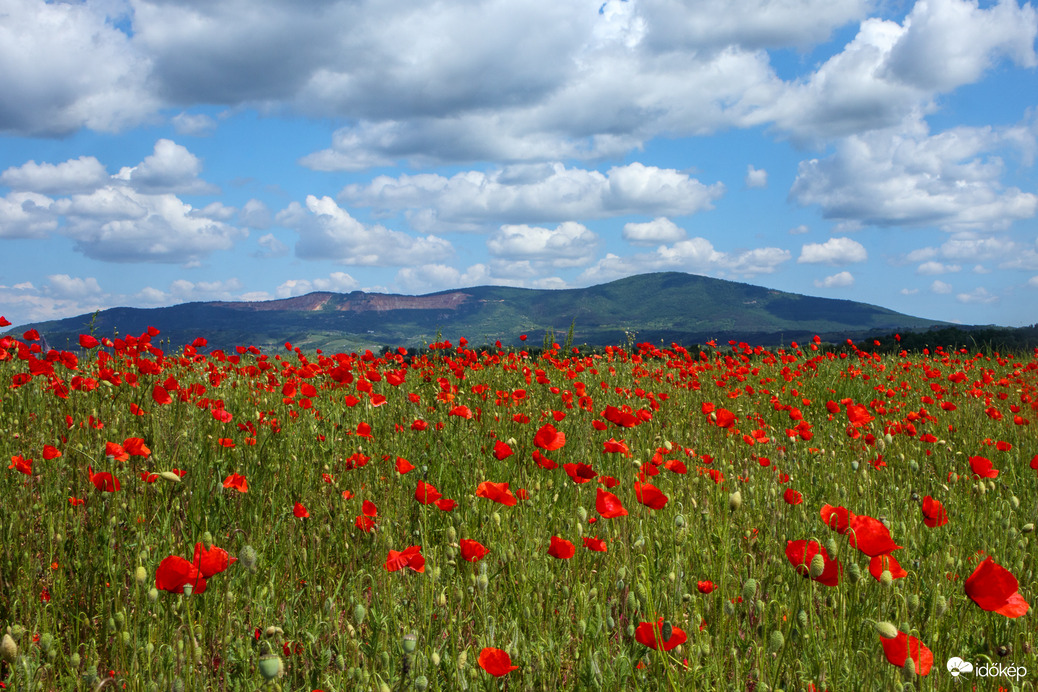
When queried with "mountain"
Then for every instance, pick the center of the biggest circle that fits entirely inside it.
(662, 307)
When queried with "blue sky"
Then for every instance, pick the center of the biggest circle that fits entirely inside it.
(156, 152)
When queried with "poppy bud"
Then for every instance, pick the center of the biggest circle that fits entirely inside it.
(749, 588)
(776, 641)
(46, 641)
(908, 672)
(1015, 501)
(582, 513)
(886, 629)
(886, 578)
(247, 557)
(735, 501)
(421, 683)
(153, 594)
(359, 613)
(854, 572)
(8, 649)
(802, 618)
(913, 602)
(817, 566)
(679, 521)
(141, 575)
(270, 666)
(830, 546)
(207, 540)
(1027, 528)
(170, 476)
(463, 658)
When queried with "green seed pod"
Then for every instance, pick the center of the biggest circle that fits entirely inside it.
(75, 661)
(630, 631)
(247, 556)
(340, 663)
(46, 641)
(409, 642)
(421, 683)
(1027, 528)
(679, 521)
(359, 613)
(817, 566)
(667, 630)
(886, 629)
(749, 589)
(140, 575)
(435, 659)
(776, 641)
(482, 582)
(270, 666)
(153, 594)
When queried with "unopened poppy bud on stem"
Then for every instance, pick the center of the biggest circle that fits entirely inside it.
(735, 501)
(8, 649)
(886, 629)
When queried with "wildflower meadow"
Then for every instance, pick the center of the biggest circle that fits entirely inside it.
(811, 517)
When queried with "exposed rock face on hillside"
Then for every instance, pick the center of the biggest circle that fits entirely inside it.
(354, 302)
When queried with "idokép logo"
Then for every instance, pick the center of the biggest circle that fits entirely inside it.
(957, 667)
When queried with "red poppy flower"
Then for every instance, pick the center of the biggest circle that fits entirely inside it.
(899, 648)
(543, 461)
(76, 501)
(801, 553)
(649, 495)
(549, 439)
(613, 446)
(426, 493)
(300, 511)
(105, 482)
(608, 481)
(858, 415)
(621, 418)
(837, 518)
(651, 635)
(705, 586)
(135, 446)
(472, 551)
(51, 452)
(212, 561)
(934, 514)
(1034, 462)
(369, 509)
(724, 418)
(403, 465)
(608, 505)
(22, 464)
(365, 524)
(561, 549)
(981, 467)
(498, 492)
(149, 477)
(174, 573)
(160, 396)
(792, 497)
(496, 662)
(870, 536)
(236, 482)
(596, 544)
(446, 504)
(995, 589)
(116, 451)
(580, 473)
(502, 450)
(880, 563)
(408, 557)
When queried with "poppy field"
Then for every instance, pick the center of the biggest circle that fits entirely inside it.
(811, 517)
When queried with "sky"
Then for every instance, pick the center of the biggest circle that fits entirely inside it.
(155, 152)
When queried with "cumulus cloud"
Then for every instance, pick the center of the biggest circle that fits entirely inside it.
(931, 268)
(978, 295)
(270, 247)
(255, 214)
(940, 287)
(193, 124)
(336, 282)
(659, 231)
(26, 215)
(569, 244)
(833, 251)
(694, 255)
(756, 177)
(170, 168)
(328, 232)
(427, 278)
(839, 280)
(470, 199)
(909, 178)
(81, 175)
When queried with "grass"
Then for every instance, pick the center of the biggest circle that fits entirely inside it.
(78, 590)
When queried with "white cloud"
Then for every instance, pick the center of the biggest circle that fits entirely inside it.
(427, 278)
(932, 268)
(84, 174)
(656, 232)
(909, 291)
(336, 282)
(255, 214)
(569, 244)
(838, 280)
(1033, 281)
(523, 194)
(756, 177)
(65, 66)
(979, 295)
(170, 168)
(906, 177)
(26, 215)
(271, 247)
(833, 251)
(328, 232)
(73, 288)
(799, 230)
(193, 124)
(940, 287)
